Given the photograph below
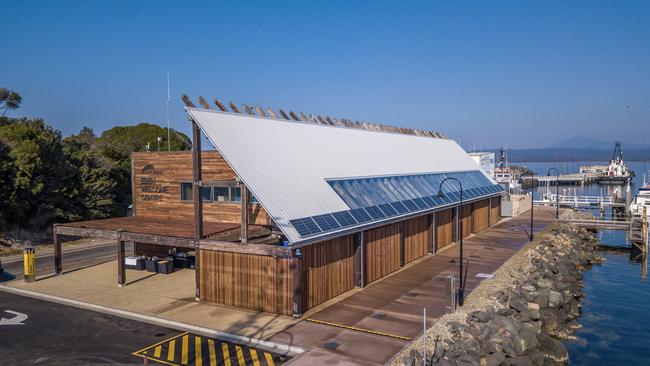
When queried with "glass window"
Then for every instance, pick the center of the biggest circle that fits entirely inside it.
(252, 198)
(235, 194)
(221, 194)
(206, 192)
(186, 191)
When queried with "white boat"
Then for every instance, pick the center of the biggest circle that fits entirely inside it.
(641, 200)
(617, 172)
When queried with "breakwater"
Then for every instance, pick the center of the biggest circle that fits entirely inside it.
(522, 315)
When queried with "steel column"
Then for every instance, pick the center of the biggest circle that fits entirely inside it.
(198, 205)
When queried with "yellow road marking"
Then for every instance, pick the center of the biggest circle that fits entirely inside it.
(269, 359)
(172, 340)
(256, 361)
(226, 354)
(186, 340)
(171, 350)
(240, 355)
(359, 329)
(213, 356)
(198, 356)
(157, 350)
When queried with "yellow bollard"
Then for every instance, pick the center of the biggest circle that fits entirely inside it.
(29, 261)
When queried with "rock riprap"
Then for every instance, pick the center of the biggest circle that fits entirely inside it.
(520, 316)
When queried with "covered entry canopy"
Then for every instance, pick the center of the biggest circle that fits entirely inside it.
(304, 173)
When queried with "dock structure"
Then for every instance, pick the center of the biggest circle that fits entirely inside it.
(579, 201)
(576, 179)
(601, 224)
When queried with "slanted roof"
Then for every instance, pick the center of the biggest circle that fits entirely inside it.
(299, 170)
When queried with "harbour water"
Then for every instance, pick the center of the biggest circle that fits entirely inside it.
(616, 310)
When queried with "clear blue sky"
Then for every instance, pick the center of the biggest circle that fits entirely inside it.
(528, 73)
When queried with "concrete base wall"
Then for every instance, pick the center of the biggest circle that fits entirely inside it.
(517, 204)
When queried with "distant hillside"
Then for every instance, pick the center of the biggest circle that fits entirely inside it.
(575, 154)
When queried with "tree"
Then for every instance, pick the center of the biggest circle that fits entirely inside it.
(43, 179)
(7, 176)
(9, 99)
(94, 192)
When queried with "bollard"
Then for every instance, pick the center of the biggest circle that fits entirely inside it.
(29, 263)
(450, 293)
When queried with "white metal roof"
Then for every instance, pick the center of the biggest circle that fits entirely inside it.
(285, 164)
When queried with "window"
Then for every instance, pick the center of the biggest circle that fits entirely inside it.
(220, 191)
(186, 191)
(235, 194)
(221, 194)
(206, 192)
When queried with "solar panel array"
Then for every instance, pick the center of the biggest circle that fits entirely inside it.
(378, 198)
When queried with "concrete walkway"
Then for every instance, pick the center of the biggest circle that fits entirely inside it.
(394, 306)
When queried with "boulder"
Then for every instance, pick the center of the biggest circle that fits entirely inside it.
(518, 361)
(554, 299)
(526, 340)
(553, 349)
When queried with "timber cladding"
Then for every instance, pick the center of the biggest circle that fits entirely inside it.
(444, 228)
(495, 216)
(417, 237)
(381, 251)
(327, 270)
(480, 216)
(255, 282)
(157, 177)
(466, 219)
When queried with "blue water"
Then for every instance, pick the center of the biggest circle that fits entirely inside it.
(616, 310)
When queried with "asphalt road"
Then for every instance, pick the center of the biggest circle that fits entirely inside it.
(56, 334)
(73, 259)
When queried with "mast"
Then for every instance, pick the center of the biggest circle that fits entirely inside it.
(169, 146)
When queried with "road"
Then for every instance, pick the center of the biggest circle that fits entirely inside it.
(72, 259)
(54, 334)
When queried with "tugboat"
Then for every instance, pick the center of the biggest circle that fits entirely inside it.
(617, 172)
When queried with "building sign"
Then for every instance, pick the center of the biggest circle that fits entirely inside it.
(150, 189)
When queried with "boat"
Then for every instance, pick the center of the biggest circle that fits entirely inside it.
(504, 175)
(641, 200)
(617, 172)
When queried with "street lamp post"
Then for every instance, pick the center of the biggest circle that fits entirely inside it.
(532, 200)
(461, 287)
(557, 191)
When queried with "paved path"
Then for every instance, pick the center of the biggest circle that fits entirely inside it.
(394, 305)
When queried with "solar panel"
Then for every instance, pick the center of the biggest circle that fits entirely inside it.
(430, 202)
(344, 218)
(305, 226)
(438, 200)
(410, 205)
(375, 212)
(360, 215)
(420, 202)
(388, 209)
(400, 208)
(326, 222)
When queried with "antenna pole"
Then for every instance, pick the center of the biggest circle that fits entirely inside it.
(169, 146)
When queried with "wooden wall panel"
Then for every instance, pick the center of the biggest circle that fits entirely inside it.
(480, 215)
(466, 219)
(381, 251)
(256, 282)
(444, 228)
(157, 178)
(328, 270)
(496, 210)
(417, 238)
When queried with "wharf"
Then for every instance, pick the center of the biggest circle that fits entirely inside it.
(576, 179)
